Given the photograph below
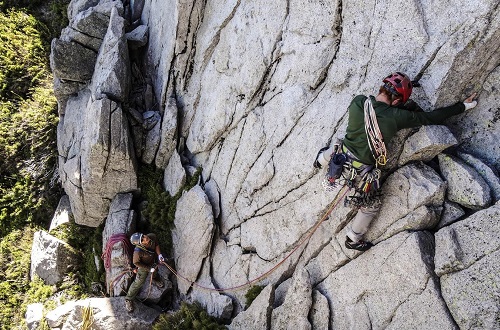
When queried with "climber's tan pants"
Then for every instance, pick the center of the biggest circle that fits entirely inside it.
(361, 222)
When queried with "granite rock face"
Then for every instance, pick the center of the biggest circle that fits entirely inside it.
(249, 91)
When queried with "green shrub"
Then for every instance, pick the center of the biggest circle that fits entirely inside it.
(28, 120)
(16, 288)
(252, 293)
(188, 317)
(160, 209)
(89, 242)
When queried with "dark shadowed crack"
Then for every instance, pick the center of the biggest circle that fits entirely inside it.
(189, 64)
(234, 154)
(215, 41)
(258, 96)
(427, 64)
(338, 36)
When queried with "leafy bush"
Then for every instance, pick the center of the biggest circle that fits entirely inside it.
(188, 317)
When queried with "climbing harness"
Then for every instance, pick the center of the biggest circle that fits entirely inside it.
(374, 136)
(340, 195)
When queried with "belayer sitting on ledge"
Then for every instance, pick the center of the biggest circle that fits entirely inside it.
(354, 161)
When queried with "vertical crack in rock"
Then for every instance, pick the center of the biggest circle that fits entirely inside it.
(257, 97)
(215, 41)
(234, 155)
(427, 64)
(189, 64)
(338, 31)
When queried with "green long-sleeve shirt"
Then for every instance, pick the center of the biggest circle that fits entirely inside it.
(390, 120)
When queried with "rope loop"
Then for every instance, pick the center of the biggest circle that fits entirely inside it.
(340, 195)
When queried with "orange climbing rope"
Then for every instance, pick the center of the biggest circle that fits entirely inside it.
(329, 210)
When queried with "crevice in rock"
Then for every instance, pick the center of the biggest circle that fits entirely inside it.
(189, 66)
(338, 36)
(86, 47)
(234, 155)
(85, 34)
(215, 41)
(262, 88)
(427, 64)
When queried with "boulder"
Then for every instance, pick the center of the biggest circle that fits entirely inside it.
(151, 124)
(230, 268)
(174, 177)
(216, 304)
(490, 175)
(401, 292)
(467, 261)
(258, 314)
(138, 37)
(120, 224)
(192, 235)
(213, 194)
(426, 144)
(63, 214)
(451, 213)
(320, 311)
(71, 35)
(412, 199)
(168, 140)
(112, 76)
(71, 61)
(91, 23)
(76, 6)
(96, 157)
(465, 186)
(63, 90)
(34, 315)
(293, 313)
(463, 243)
(107, 313)
(51, 258)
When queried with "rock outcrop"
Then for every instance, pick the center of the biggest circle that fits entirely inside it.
(51, 258)
(249, 91)
(107, 313)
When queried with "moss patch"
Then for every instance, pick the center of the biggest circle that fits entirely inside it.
(188, 317)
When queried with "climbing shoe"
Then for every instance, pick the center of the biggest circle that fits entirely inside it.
(360, 246)
(129, 305)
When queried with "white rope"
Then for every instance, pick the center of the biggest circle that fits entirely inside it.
(375, 138)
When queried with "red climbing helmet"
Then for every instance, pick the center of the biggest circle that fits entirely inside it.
(398, 83)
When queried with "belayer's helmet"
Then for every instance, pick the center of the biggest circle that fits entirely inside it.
(136, 238)
(399, 84)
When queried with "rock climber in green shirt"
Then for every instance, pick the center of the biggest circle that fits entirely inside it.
(356, 160)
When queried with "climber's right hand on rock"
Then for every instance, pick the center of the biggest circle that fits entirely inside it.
(469, 102)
